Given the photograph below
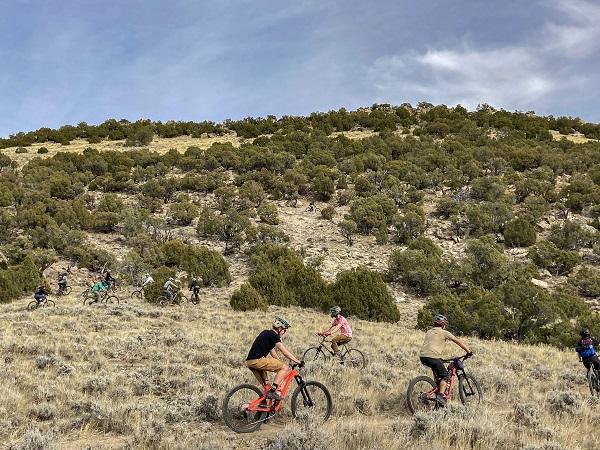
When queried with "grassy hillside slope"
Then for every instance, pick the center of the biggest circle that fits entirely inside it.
(138, 376)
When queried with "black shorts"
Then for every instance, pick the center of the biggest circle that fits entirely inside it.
(438, 367)
(587, 362)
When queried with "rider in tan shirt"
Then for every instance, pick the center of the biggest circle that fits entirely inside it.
(432, 351)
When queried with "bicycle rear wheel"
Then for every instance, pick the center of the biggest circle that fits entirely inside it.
(182, 299)
(469, 390)
(355, 358)
(32, 305)
(163, 301)
(312, 398)
(420, 395)
(235, 409)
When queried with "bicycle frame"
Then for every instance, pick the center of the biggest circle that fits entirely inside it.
(324, 347)
(262, 404)
(455, 373)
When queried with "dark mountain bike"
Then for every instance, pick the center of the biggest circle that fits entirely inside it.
(246, 407)
(422, 390)
(593, 380)
(195, 297)
(177, 299)
(105, 297)
(34, 304)
(350, 357)
(66, 290)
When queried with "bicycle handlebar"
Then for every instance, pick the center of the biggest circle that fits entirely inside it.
(463, 357)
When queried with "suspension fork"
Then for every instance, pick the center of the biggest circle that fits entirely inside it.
(305, 394)
(462, 374)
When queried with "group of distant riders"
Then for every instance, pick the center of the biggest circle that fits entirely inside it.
(263, 358)
(105, 282)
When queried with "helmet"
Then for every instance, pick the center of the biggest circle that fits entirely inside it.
(280, 322)
(334, 311)
(147, 274)
(440, 319)
(171, 279)
(194, 279)
(584, 333)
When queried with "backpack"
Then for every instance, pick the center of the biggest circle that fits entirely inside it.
(586, 349)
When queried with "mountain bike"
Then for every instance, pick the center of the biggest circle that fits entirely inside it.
(312, 207)
(246, 407)
(350, 357)
(137, 293)
(63, 291)
(105, 297)
(422, 390)
(177, 299)
(195, 297)
(34, 304)
(593, 380)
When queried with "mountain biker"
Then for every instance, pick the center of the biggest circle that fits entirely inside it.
(40, 295)
(339, 323)
(262, 357)
(62, 281)
(108, 279)
(195, 287)
(586, 348)
(169, 289)
(432, 350)
(97, 290)
(147, 281)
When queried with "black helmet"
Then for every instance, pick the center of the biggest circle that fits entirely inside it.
(584, 333)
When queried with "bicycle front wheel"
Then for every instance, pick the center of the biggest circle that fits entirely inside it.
(314, 354)
(312, 398)
(139, 294)
(66, 291)
(420, 395)
(355, 358)
(236, 409)
(111, 300)
(469, 390)
(49, 303)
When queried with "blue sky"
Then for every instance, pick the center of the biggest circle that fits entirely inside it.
(69, 61)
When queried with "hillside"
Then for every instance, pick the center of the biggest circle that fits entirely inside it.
(488, 216)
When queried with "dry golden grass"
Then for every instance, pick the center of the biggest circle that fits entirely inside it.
(138, 376)
(578, 138)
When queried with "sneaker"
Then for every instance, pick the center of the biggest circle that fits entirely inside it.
(441, 401)
(273, 395)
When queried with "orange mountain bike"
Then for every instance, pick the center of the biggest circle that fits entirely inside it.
(422, 390)
(246, 407)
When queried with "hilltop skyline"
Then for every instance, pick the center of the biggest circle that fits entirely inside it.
(68, 62)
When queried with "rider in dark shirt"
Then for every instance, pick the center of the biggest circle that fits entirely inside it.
(262, 357)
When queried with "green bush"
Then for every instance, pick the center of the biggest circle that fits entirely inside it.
(426, 245)
(105, 222)
(183, 212)
(587, 281)
(421, 273)
(348, 229)
(486, 264)
(409, 225)
(42, 150)
(267, 212)
(246, 298)
(571, 236)
(282, 278)
(18, 279)
(328, 212)
(155, 289)
(141, 137)
(547, 255)
(362, 293)
(519, 233)
(198, 261)
(21, 150)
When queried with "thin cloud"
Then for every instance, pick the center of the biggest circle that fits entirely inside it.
(516, 76)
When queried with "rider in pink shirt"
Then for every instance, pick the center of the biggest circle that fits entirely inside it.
(339, 323)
